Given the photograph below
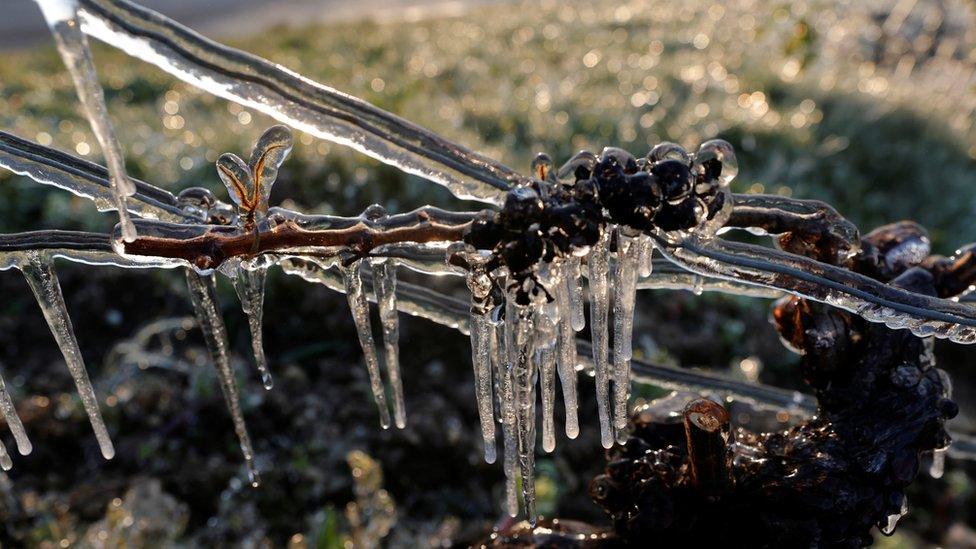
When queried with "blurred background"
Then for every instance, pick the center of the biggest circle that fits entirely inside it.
(869, 105)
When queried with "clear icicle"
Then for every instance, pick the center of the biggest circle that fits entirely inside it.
(384, 286)
(501, 345)
(937, 467)
(645, 256)
(250, 289)
(5, 462)
(16, 427)
(61, 16)
(567, 354)
(523, 382)
(545, 357)
(203, 294)
(624, 294)
(44, 283)
(599, 272)
(359, 307)
(481, 351)
(575, 285)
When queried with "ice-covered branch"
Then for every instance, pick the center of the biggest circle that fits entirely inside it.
(207, 246)
(295, 100)
(85, 179)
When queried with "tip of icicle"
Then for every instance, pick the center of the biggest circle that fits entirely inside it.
(25, 449)
(490, 454)
(108, 453)
(5, 463)
(254, 478)
(268, 383)
(128, 231)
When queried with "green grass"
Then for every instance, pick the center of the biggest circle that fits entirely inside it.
(813, 111)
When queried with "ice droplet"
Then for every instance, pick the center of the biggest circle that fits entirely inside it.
(72, 44)
(249, 285)
(203, 294)
(599, 272)
(384, 286)
(359, 307)
(44, 283)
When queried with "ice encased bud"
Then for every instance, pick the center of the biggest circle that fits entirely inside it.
(722, 151)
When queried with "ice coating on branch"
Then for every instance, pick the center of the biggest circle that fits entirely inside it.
(384, 287)
(44, 283)
(249, 284)
(481, 352)
(13, 420)
(599, 276)
(295, 100)
(359, 307)
(203, 294)
(566, 356)
(624, 294)
(73, 46)
(872, 300)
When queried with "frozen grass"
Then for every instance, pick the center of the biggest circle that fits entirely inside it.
(862, 105)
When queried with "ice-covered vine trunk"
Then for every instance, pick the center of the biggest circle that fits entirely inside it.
(882, 406)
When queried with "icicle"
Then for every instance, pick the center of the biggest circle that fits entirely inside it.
(567, 353)
(481, 328)
(892, 522)
(5, 462)
(624, 294)
(384, 286)
(61, 16)
(523, 382)
(203, 294)
(13, 420)
(937, 467)
(501, 344)
(44, 283)
(645, 256)
(359, 307)
(545, 358)
(250, 289)
(575, 286)
(599, 271)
